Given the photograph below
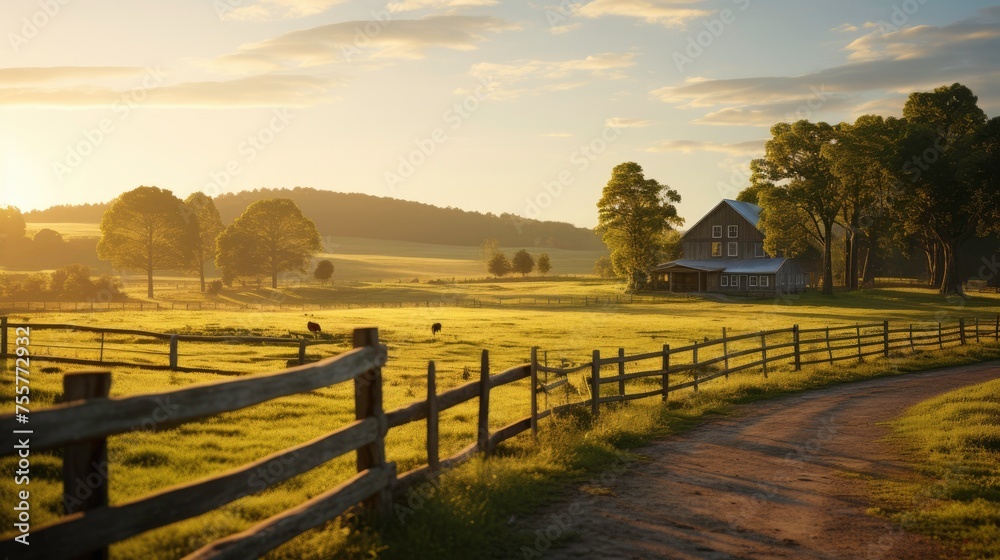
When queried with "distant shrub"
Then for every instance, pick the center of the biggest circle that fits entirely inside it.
(214, 287)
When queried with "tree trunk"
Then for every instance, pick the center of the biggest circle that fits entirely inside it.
(951, 282)
(828, 259)
(149, 278)
(201, 275)
(850, 259)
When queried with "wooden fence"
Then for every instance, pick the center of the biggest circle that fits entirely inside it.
(81, 424)
(171, 355)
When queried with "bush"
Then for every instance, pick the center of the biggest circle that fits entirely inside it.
(214, 287)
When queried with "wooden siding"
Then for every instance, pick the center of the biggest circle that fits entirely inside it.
(697, 242)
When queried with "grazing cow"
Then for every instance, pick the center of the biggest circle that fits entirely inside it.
(314, 328)
(435, 328)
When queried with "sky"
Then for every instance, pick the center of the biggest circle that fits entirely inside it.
(487, 105)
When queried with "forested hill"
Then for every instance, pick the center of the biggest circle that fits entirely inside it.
(361, 215)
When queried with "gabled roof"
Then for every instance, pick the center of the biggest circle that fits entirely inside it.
(749, 211)
(733, 266)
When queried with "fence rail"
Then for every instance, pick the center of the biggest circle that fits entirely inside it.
(82, 424)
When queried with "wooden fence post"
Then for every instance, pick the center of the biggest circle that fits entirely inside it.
(977, 330)
(725, 352)
(996, 333)
(368, 403)
(666, 371)
(621, 372)
(173, 352)
(595, 383)
(484, 404)
(940, 343)
(961, 331)
(694, 369)
(302, 351)
(534, 392)
(857, 330)
(85, 464)
(433, 456)
(3, 337)
(829, 349)
(797, 347)
(101, 357)
(885, 337)
(763, 351)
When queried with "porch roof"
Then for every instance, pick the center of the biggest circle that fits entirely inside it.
(733, 266)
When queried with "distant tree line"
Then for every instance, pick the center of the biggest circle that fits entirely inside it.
(71, 282)
(927, 182)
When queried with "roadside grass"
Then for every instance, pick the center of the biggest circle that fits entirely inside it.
(471, 507)
(954, 441)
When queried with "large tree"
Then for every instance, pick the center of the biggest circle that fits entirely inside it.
(863, 158)
(201, 208)
(946, 188)
(145, 230)
(634, 215)
(798, 191)
(270, 237)
(522, 263)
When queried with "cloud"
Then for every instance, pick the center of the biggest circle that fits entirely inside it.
(880, 65)
(748, 148)
(563, 29)
(271, 90)
(404, 38)
(618, 122)
(525, 77)
(845, 28)
(410, 5)
(556, 135)
(670, 13)
(267, 10)
(39, 75)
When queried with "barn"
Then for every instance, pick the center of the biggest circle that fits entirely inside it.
(724, 253)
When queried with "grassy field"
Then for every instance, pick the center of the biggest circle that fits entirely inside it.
(529, 476)
(955, 440)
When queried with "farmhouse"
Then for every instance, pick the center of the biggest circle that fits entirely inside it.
(724, 253)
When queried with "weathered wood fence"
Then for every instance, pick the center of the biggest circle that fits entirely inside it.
(170, 353)
(82, 424)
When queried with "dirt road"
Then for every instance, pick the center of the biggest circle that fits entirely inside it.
(766, 482)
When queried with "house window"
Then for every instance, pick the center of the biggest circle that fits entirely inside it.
(734, 231)
(716, 232)
(734, 249)
(753, 281)
(725, 280)
(764, 281)
(716, 248)
(758, 250)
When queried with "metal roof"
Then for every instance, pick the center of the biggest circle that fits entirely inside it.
(748, 210)
(734, 266)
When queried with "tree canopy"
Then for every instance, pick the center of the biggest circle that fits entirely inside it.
(270, 237)
(634, 214)
(145, 230)
(324, 271)
(499, 265)
(522, 263)
(544, 264)
(201, 209)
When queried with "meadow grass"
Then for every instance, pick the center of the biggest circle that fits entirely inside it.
(472, 505)
(954, 443)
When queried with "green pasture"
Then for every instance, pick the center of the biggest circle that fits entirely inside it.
(522, 478)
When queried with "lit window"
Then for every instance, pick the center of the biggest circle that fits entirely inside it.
(734, 231)
(725, 280)
(717, 249)
(753, 281)
(758, 250)
(716, 232)
(734, 249)
(764, 281)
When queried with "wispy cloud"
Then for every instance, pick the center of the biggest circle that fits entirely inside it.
(671, 13)
(395, 39)
(524, 77)
(556, 135)
(750, 147)
(266, 10)
(410, 5)
(618, 122)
